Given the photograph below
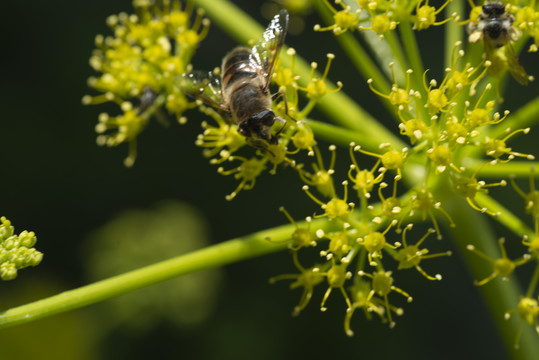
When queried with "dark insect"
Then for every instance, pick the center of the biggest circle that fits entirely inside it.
(241, 91)
(146, 100)
(494, 26)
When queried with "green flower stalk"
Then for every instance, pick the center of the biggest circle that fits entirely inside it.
(456, 145)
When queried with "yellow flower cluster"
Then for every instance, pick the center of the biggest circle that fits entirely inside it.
(444, 121)
(382, 16)
(448, 124)
(222, 140)
(139, 66)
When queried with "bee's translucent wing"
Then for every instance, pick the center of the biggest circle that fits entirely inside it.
(265, 52)
(515, 67)
(509, 58)
(204, 86)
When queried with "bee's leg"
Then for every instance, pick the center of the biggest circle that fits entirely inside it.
(283, 94)
(282, 121)
(279, 119)
(277, 94)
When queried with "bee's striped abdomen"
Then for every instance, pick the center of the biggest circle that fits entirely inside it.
(237, 67)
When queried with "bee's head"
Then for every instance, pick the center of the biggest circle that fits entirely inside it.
(493, 10)
(258, 126)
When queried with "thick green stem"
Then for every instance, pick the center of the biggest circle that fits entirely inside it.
(533, 282)
(506, 217)
(520, 169)
(472, 228)
(414, 57)
(257, 244)
(453, 31)
(344, 137)
(395, 45)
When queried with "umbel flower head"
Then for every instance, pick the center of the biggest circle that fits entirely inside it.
(453, 134)
(444, 122)
(139, 66)
(16, 251)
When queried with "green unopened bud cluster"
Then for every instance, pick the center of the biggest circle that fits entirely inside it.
(16, 251)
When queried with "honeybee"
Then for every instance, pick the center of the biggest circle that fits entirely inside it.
(495, 27)
(241, 92)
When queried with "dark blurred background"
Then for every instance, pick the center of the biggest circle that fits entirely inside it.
(57, 182)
